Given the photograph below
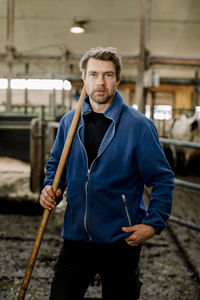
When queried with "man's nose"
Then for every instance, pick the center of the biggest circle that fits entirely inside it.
(100, 79)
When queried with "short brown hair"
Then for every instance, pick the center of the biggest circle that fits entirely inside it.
(102, 54)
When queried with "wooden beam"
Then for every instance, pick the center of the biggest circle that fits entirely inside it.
(172, 88)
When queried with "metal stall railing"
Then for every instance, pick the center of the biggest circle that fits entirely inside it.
(183, 183)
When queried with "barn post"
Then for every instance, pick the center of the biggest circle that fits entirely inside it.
(141, 90)
(196, 90)
(153, 97)
(37, 159)
(10, 51)
(50, 130)
(26, 90)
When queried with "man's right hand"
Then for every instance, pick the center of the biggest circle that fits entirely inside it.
(47, 197)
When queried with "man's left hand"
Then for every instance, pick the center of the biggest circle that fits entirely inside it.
(140, 233)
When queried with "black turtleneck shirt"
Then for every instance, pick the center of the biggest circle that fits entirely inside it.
(96, 125)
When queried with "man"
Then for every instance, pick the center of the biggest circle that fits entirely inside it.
(115, 152)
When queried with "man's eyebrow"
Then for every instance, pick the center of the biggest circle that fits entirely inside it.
(91, 71)
(112, 72)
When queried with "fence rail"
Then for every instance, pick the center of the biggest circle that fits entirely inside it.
(180, 143)
(187, 184)
(184, 223)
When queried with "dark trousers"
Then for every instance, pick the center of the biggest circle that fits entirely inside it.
(117, 265)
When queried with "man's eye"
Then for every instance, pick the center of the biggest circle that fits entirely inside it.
(109, 74)
(93, 74)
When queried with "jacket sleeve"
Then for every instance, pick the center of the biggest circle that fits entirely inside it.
(53, 161)
(157, 174)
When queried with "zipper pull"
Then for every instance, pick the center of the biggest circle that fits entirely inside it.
(124, 199)
(87, 176)
(126, 209)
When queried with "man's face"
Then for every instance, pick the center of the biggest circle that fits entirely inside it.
(100, 80)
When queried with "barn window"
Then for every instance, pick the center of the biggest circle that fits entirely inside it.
(162, 112)
(36, 84)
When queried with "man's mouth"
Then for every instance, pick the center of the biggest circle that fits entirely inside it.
(100, 91)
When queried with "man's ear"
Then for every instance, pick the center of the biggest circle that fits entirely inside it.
(118, 82)
(83, 76)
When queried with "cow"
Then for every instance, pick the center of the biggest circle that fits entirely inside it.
(185, 128)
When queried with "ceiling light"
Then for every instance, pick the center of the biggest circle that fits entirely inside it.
(77, 27)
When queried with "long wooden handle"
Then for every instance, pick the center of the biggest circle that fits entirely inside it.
(55, 185)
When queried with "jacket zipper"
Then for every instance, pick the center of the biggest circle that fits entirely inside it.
(86, 187)
(85, 216)
(87, 179)
(126, 209)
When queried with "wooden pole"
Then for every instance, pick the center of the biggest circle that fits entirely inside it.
(55, 184)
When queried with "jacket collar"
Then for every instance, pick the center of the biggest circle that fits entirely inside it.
(112, 112)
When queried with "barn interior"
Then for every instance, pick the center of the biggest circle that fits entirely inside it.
(39, 59)
(41, 45)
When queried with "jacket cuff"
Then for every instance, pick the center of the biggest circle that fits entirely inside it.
(158, 230)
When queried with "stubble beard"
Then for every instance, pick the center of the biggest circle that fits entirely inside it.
(102, 99)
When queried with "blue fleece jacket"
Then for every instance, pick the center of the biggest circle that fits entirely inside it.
(109, 195)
